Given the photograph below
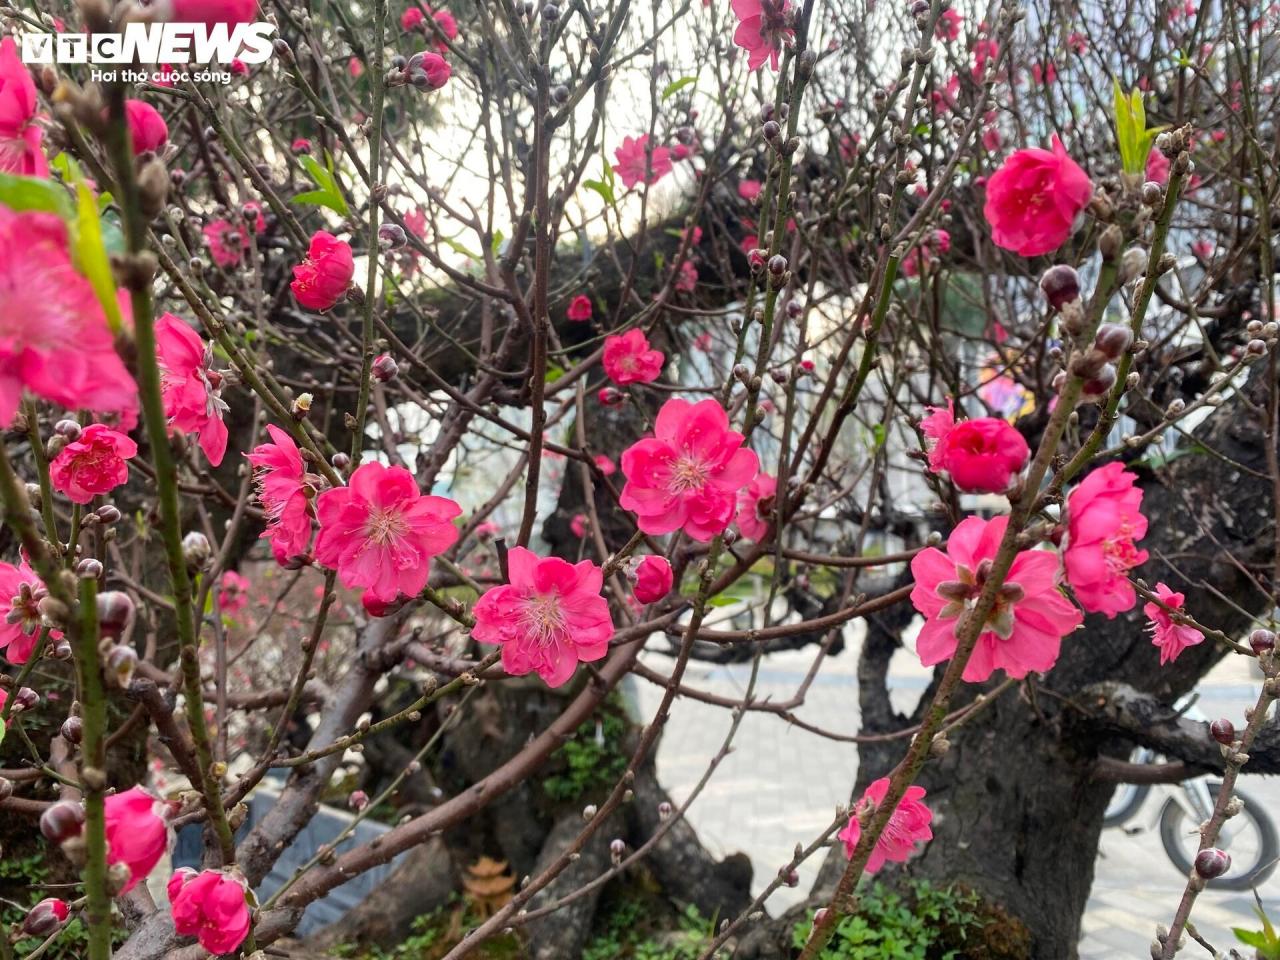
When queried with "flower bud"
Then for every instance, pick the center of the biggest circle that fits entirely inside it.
(1110, 242)
(72, 730)
(120, 665)
(391, 236)
(1256, 348)
(1262, 640)
(89, 569)
(301, 406)
(62, 821)
(1060, 285)
(25, 699)
(358, 800)
(108, 514)
(1223, 730)
(777, 264)
(196, 550)
(384, 368)
(1133, 263)
(610, 397)
(45, 918)
(616, 851)
(771, 130)
(115, 610)
(340, 461)
(1099, 386)
(589, 811)
(70, 429)
(664, 810)
(1113, 340)
(1212, 863)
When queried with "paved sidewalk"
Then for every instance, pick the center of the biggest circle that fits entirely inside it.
(781, 785)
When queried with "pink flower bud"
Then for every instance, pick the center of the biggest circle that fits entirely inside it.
(62, 821)
(72, 730)
(1061, 285)
(1262, 640)
(653, 579)
(1223, 730)
(115, 610)
(384, 368)
(121, 663)
(1212, 863)
(45, 917)
(358, 800)
(147, 130)
(210, 906)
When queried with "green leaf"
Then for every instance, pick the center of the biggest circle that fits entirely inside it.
(90, 252)
(1251, 937)
(554, 373)
(32, 193)
(456, 247)
(1132, 134)
(605, 191)
(327, 192)
(2, 731)
(675, 86)
(496, 245)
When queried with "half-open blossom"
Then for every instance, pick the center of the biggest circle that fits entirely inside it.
(1023, 631)
(47, 916)
(985, 51)
(20, 135)
(908, 825)
(447, 25)
(579, 308)
(137, 833)
(687, 279)
(281, 481)
(948, 26)
(190, 387)
(631, 168)
(379, 532)
(755, 507)
(578, 525)
(227, 241)
(1171, 637)
(92, 464)
(321, 280)
(1103, 521)
(653, 579)
(1157, 167)
(687, 476)
(1033, 199)
(763, 27)
(54, 339)
(412, 18)
(429, 71)
(548, 618)
(147, 130)
(233, 593)
(211, 907)
(208, 12)
(749, 189)
(984, 455)
(605, 465)
(20, 621)
(628, 359)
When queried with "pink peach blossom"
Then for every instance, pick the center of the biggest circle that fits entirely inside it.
(92, 464)
(763, 27)
(448, 26)
(233, 593)
(687, 281)
(749, 189)
(20, 619)
(908, 825)
(578, 525)
(984, 51)
(755, 507)
(605, 465)
(137, 833)
(190, 387)
(54, 339)
(984, 455)
(227, 242)
(1025, 628)
(1157, 169)
(920, 258)
(631, 168)
(379, 532)
(20, 135)
(208, 12)
(628, 359)
(211, 907)
(948, 26)
(654, 579)
(412, 18)
(687, 476)
(281, 480)
(1171, 637)
(1103, 521)
(147, 130)
(1033, 199)
(548, 618)
(322, 279)
(579, 308)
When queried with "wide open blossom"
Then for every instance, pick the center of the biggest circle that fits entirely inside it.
(281, 481)
(1103, 521)
(322, 279)
(755, 507)
(1033, 199)
(137, 833)
(548, 618)
(687, 476)
(984, 455)
(908, 825)
(92, 464)
(763, 27)
(1167, 634)
(20, 621)
(211, 907)
(380, 533)
(20, 135)
(190, 387)
(628, 359)
(630, 167)
(54, 339)
(227, 241)
(579, 309)
(1025, 628)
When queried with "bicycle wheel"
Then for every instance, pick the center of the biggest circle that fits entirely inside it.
(1250, 838)
(1125, 802)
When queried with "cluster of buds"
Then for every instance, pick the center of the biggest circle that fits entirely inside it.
(424, 71)
(1096, 365)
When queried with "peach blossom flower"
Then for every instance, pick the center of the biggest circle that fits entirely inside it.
(984, 455)
(628, 359)
(631, 168)
(190, 387)
(1103, 521)
(1171, 637)
(322, 279)
(147, 130)
(579, 308)
(92, 464)
(763, 27)
(20, 619)
(755, 507)
(281, 480)
(211, 907)
(908, 825)
(137, 833)
(1033, 199)
(20, 135)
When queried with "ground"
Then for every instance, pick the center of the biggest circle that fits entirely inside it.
(782, 785)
